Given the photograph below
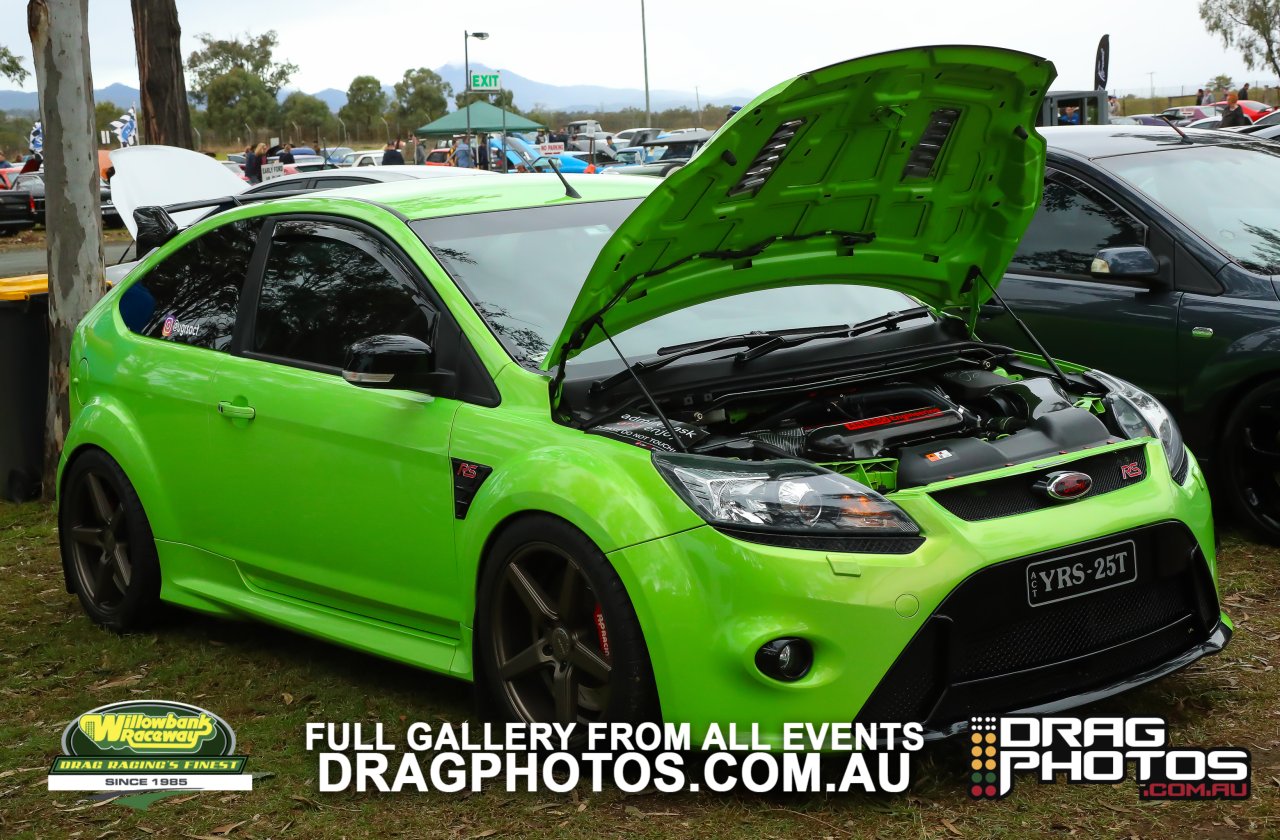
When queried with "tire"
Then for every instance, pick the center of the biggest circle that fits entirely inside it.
(108, 551)
(672, 168)
(544, 661)
(1249, 477)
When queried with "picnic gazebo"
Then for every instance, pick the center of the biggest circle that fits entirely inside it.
(484, 119)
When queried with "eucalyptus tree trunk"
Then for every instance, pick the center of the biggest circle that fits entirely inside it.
(59, 32)
(165, 118)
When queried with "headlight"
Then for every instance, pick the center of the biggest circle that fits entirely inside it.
(1141, 415)
(792, 501)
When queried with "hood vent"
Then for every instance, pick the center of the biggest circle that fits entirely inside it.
(766, 161)
(929, 149)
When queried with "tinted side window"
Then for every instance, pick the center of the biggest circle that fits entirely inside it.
(192, 296)
(279, 185)
(1069, 228)
(326, 287)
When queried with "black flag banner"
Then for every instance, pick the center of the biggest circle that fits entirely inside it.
(1101, 62)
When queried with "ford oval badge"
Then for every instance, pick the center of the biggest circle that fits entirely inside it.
(1065, 486)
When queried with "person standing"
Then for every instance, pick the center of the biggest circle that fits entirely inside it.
(253, 160)
(419, 152)
(392, 156)
(1234, 114)
(462, 153)
(1244, 91)
(4, 162)
(286, 154)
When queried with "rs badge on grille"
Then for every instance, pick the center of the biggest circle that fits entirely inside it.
(1064, 486)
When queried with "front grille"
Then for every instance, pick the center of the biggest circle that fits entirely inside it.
(1013, 495)
(985, 650)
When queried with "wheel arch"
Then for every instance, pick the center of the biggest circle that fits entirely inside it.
(107, 426)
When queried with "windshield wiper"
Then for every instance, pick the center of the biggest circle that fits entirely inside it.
(888, 321)
(667, 355)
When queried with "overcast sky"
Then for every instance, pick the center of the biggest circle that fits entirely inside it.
(716, 45)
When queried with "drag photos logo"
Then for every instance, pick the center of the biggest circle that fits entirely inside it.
(1100, 750)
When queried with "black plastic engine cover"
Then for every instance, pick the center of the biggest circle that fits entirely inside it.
(1057, 431)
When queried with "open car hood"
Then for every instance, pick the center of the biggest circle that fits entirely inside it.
(910, 170)
(160, 175)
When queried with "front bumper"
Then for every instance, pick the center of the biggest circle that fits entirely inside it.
(707, 602)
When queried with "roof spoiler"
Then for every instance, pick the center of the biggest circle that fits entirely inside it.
(156, 225)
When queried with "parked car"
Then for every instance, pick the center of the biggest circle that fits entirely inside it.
(335, 155)
(393, 418)
(17, 211)
(631, 136)
(33, 183)
(1252, 108)
(629, 156)
(372, 157)
(577, 163)
(666, 154)
(1139, 260)
(1207, 122)
(9, 176)
(237, 168)
(1186, 114)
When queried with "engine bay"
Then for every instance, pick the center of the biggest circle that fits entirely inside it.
(903, 430)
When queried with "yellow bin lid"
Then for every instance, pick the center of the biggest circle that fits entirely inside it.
(22, 288)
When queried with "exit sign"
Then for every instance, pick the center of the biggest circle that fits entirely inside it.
(485, 82)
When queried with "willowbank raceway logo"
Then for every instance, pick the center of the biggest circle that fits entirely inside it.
(142, 745)
(1100, 750)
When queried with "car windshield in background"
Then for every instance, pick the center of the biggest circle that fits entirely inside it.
(1226, 193)
(522, 270)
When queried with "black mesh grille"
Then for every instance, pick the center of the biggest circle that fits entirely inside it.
(981, 500)
(986, 650)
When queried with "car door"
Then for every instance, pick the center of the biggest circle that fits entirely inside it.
(184, 309)
(334, 494)
(1122, 327)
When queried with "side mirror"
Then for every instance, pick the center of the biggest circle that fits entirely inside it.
(1133, 263)
(399, 362)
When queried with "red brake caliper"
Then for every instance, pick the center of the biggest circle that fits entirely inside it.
(602, 632)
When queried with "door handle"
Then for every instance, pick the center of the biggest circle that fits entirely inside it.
(237, 412)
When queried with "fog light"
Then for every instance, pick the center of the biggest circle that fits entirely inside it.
(786, 659)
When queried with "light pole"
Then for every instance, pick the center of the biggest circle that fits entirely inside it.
(644, 41)
(387, 126)
(466, 82)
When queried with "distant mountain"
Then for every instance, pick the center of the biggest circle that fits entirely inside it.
(527, 92)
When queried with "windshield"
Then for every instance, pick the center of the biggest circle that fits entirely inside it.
(1226, 193)
(522, 270)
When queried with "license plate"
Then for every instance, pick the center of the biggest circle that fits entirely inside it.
(1081, 573)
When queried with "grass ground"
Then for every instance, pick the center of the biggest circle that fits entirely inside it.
(35, 238)
(54, 664)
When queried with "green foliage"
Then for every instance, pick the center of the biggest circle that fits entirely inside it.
(1221, 82)
(310, 113)
(421, 96)
(11, 66)
(14, 129)
(254, 55)
(104, 113)
(1251, 26)
(501, 98)
(238, 97)
(365, 103)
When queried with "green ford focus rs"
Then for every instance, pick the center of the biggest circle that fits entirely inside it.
(719, 448)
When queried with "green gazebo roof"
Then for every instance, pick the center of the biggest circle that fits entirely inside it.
(485, 119)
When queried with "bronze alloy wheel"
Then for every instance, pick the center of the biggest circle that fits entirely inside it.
(108, 552)
(550, 642)
(99, 541)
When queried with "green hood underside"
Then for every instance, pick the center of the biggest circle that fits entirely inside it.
(908, 170)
